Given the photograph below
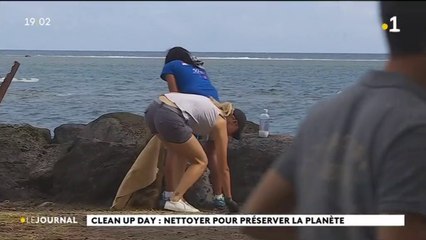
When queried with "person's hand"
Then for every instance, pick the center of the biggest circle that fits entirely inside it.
(233, 206)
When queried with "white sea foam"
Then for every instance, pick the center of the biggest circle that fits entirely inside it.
(111, 57)
(228, 58)
(295, 59)
(63, 94)
(25, 80)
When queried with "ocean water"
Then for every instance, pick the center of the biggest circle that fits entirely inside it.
(57, 87)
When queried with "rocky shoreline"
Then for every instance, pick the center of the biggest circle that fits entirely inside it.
(85, 163)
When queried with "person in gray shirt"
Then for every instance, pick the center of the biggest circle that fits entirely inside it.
(362, 151)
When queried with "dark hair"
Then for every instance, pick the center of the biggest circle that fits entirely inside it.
(180, 53)
(411, 20)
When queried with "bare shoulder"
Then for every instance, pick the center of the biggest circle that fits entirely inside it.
(219, 127)
(220, 122)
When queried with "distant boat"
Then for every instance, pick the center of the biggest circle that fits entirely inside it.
(27, 56)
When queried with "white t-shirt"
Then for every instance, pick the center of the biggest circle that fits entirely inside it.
(199, 110)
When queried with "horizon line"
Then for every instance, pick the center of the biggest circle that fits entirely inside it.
(191, 51)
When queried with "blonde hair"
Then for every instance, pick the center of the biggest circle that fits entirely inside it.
(226, 107)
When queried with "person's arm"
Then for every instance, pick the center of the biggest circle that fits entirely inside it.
(220, 136)
(273, 195)
(171, 83)
(401, 185)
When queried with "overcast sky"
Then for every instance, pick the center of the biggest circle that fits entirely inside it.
(323, 27)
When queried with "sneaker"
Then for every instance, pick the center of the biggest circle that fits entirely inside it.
(187, 203)
(219, 202)
(180, 206)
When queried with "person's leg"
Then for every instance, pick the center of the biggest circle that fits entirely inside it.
(192, 151)
(174, 169)
(177, 137)
(173, 172)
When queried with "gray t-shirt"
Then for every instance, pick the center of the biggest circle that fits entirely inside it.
(362, 151)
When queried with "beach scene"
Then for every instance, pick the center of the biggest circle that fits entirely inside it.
(72, 125)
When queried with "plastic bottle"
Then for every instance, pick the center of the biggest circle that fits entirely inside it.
(264, 124)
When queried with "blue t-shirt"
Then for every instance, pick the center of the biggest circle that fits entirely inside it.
(190, 79)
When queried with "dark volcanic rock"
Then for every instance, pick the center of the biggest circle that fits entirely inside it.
(249, 159)
(22, 150)
(120, 127)
(41, 174)
(250, 127)
(92, 171)
(67, 133)
(102, 152)
(86, 163)
(200, 195)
